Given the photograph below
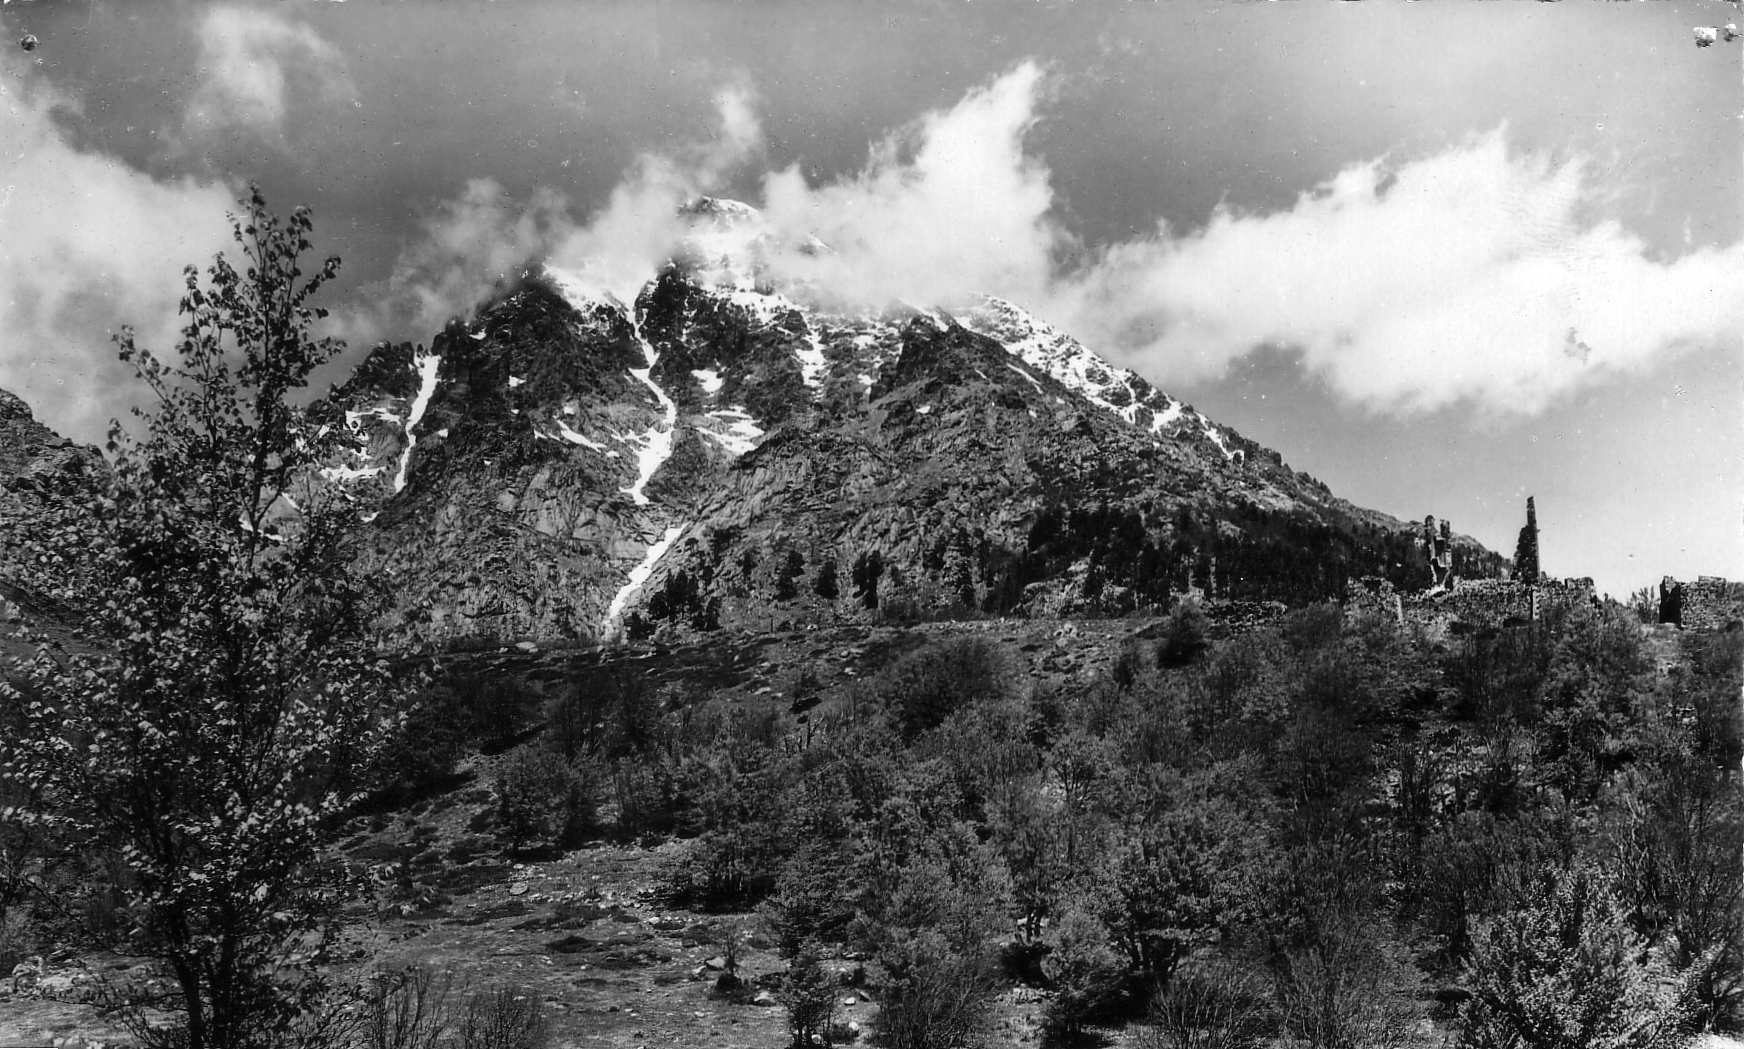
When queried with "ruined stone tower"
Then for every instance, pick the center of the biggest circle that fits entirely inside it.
(1438, 544)
(1526, 550)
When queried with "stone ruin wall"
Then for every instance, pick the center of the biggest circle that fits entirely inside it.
(1373, 596)
(1706, 603)
(1451, 604)
(1468, 603)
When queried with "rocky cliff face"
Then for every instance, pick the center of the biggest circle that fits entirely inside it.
(726, 453)
(39, 471)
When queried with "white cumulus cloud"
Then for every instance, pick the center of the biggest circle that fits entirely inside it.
(945, 208)
(1481, 275)
(87, 244)
(1477, 274)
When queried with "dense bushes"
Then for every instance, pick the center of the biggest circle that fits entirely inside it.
(926, 686)
(1297, 832)
(542, 801)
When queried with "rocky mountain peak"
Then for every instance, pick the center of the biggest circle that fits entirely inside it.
(13, 407)
(731, 450)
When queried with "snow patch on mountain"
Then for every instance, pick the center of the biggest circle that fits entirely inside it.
(812, 364)
(656, 444)
(576, 438)
(638, 576)
(428, 365)
(349, 473)
(742, 432)
(1216, 437)
(1033, 381)
(354, 419)
(1168, 416)
(709, 379)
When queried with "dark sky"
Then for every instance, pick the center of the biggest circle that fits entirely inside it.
(1442, 255)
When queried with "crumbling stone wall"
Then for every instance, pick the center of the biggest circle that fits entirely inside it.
(1707, 603)
(1469, 602)
(1236, 617)
(1479, 602)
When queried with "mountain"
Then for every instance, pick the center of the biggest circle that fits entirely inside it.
(724, 452)
(40, 472)
(729, 453)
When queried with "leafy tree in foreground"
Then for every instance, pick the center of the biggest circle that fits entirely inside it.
(226, 705)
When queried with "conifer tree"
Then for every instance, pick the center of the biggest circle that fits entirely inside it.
(1526, 550)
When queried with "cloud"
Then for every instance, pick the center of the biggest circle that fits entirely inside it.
(1474, 275)
(618, 247)
(484, 235)
(253, 61)
(1481, 275)
(944, 208)
(87, 244)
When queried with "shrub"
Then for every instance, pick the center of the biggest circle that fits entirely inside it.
(649, 795)
(813, 898)
(728, 869)
(408, 1009)
(505, 1018)
(1347, 987)
(1085, 974)
(1209, 1004)
(1564, 971)
(1183, 635)
(924, 687)
(809, 995)
(542, 802)
(935, 996)
(931, 924)
(608, 715)
(1166, 890)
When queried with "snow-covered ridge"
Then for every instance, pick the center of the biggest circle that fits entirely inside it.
(1074, 366)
